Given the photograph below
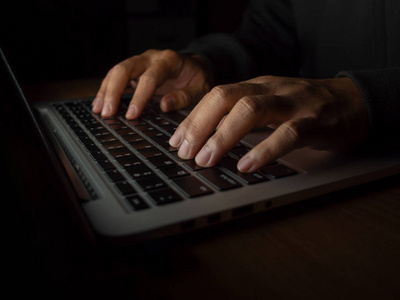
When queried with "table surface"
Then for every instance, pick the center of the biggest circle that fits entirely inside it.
(343, 244)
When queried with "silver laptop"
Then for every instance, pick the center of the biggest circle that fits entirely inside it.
(131, 185)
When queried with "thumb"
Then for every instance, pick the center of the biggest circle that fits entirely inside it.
(180, 98)
(287, 137)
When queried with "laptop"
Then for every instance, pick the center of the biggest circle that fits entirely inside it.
(130, 185)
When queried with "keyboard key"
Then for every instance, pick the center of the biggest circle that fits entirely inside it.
(249, 178)
(100, 132)
(129, 161)
(191, 164)
(106, 138)
(113, 145)
(278, 171)
(145, 128)
(175, 154)
(165, 196)
(118, 126)
(91, 147)
(140, 171)
(133, 138)
(111, 121)
(142, 144)
(124, 132)
(219, 179)
(137, 122)
(150, 152)
(174, 171)
(192, 186)
(125, 188)
(151, 183)
(137, 202)
(168, 147)
(115, 176)
(98, 155)
(105, 165)
(84, 138)
(161, 139)
(121, 152)
(155, 134)
(239, 152)
(161, 161)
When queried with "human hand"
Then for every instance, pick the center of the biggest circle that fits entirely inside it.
(181, 79)
(327, 114)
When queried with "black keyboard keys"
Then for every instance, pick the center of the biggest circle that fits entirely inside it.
(137, 202)
(115, 176)
(151, 183)
(249, 178)
(174, 171)
(125, 188)
(139, 171)
(278, 171)
(192, 186)
(219, 179)
(165, 196)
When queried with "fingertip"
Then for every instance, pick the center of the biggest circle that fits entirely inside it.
(176, 139)
(246, 165)
(167, 105)
(107, 110)
(131, 112)
(97, 105)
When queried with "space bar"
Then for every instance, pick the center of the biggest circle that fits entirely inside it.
(219, 179)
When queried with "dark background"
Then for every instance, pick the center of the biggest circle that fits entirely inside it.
(47, 40)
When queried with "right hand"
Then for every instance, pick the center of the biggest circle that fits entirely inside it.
(180, 79)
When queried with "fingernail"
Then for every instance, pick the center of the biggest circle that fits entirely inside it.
(106, 110)
(203, 157)
(184, 149)
(245, 165)
(176, 139)
(131, 113)
(96, 105)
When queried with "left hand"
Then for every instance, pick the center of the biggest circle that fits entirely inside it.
(326, 114)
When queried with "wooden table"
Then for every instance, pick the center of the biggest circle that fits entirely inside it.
(341, 245)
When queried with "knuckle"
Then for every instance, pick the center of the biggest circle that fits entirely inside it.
(268, 78)
(120, 68)
(150, 52)
(169, 54)
(221, 93)
(148, 77)
(308, 87)
(218, 141)
(292, 131)
(185, 98)
(249, 105)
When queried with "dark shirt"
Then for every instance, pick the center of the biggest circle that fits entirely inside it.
(359, 39)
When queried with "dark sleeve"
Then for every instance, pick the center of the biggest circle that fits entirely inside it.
(381, 92)
(263, 45)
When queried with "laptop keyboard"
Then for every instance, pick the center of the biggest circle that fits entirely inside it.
(136, 158)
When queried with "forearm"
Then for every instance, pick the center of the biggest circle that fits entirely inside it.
(264, 44)
(381, 92)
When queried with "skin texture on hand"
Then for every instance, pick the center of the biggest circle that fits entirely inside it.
(327, 114)
(180, 79)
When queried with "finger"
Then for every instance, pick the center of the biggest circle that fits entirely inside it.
(240, 120)
(181, 98)
(97, 104)
(249, 112)
(148, 82)
(202, 121)
(287, 137)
